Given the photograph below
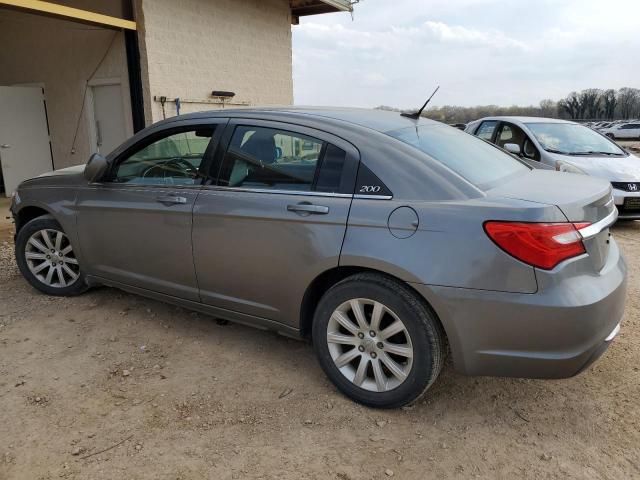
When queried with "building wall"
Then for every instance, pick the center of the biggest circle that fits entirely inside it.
(61, 55)
(190, 47)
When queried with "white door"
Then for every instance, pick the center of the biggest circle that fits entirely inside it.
(25, 151)
(109, 120)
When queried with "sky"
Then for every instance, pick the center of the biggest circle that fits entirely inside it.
(480, 52)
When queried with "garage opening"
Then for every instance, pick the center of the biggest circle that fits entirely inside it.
(64, 85)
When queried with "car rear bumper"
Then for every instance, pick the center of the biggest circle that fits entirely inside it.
(554, 333)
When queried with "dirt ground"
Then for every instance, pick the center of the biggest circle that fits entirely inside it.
(633, 146)
(113, 386)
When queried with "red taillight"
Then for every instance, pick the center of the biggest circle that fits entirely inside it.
(543, 245)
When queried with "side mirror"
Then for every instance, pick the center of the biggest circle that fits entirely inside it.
(96, 167)
(512, 148)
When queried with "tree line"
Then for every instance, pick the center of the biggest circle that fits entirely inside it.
(588, 105)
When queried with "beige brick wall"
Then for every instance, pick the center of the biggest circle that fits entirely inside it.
(61, 55)
(190, 47)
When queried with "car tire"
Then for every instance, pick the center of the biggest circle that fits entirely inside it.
(390, 379)
(47, 260)
(611, 136)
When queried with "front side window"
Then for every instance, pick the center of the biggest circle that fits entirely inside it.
(572, 139)
(477, 161)
(505, 135)
(268, 158)
(510, 134)
(171, 160)
(485, 131)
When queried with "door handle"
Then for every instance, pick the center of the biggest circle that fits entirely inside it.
(171, 199)
(308, 208)
(5, 145)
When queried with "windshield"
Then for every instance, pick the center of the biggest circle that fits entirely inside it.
(479, 162)
(572, 139)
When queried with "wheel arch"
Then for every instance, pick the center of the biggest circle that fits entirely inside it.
(28, 213)
(323, 282)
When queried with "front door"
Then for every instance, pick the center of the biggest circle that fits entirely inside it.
(25, 151)
(276, 219)
(135, 225)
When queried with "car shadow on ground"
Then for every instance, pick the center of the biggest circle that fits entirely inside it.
(240, 349)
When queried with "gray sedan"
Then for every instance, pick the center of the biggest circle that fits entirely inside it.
(568, 147)
(388, 241)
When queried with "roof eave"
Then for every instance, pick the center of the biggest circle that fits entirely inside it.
(303, 8)
(340, 5)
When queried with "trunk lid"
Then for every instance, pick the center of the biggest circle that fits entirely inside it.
(582, 199)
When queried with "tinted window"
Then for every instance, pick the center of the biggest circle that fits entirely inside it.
(170, 160)
(473, 159)
(485, 131)
(570, 138)
(330, 174)
(268, 158)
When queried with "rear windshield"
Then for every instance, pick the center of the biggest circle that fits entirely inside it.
(477, 161)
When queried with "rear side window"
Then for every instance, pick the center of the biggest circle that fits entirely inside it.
(273, 159)
(475, 160)
(485, 130)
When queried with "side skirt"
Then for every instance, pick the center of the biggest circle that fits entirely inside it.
(244, 319)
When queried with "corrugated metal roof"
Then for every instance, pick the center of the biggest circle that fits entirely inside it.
(301, 8)
(343, 5)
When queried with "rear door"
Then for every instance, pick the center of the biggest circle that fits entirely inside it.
(135, 224)
(275, 218)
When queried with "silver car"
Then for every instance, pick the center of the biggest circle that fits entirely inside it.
(387, 241)
(568, 147)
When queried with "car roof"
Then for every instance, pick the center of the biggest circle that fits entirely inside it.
(379, 120)
(524, 120)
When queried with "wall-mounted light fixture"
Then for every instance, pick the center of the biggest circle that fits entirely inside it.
(222, 94)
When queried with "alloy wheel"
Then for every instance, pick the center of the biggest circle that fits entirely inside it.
(370, 345)
(50, 258)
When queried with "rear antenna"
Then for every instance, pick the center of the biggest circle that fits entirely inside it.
(416, 115)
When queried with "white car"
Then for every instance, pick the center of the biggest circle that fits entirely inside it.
(567, 147)
(623, 131)
(603, 125)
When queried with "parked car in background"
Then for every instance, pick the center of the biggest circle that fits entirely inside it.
(386, 240)
(623, 131)
(602, 125)
(568, 147)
